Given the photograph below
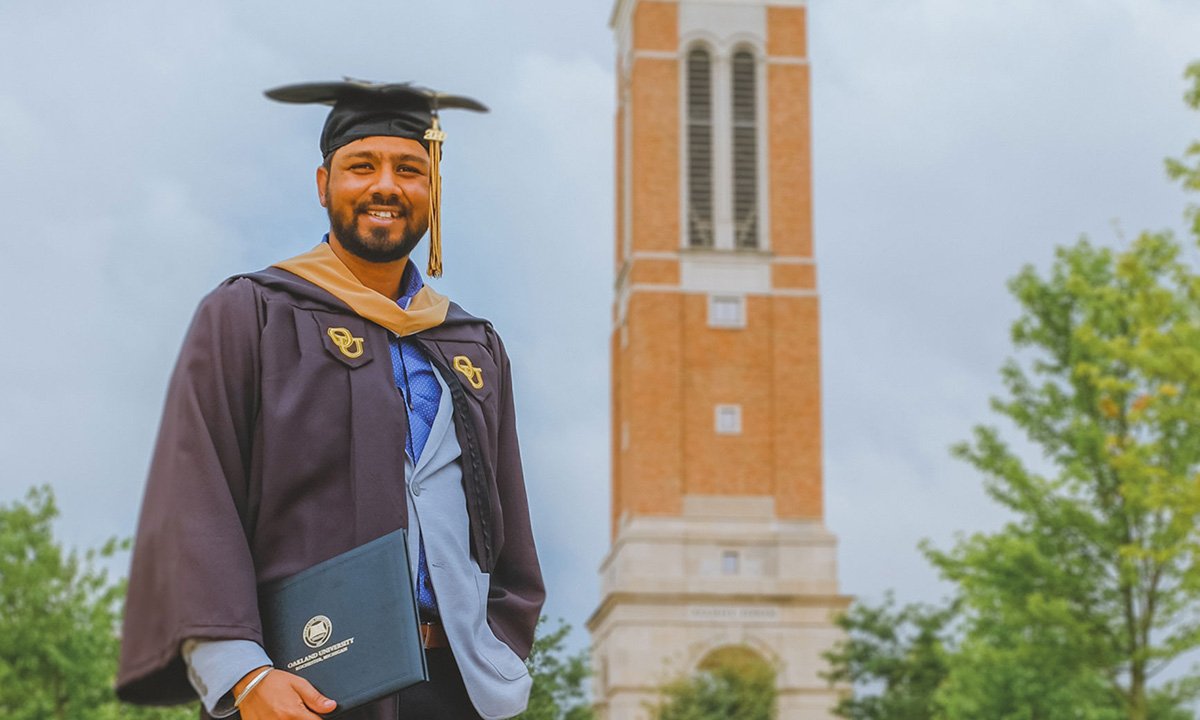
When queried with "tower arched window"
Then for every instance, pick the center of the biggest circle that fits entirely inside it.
(699, 148)
(745, 150)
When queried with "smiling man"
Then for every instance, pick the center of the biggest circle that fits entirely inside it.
(320, 404)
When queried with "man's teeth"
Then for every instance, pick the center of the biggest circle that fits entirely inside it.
(383, 214)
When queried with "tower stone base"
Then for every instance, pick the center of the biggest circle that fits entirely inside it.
(727, 573)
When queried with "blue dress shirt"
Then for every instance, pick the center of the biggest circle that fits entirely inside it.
(422, 394)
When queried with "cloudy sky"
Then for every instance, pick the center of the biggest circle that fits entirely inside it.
(956, 140)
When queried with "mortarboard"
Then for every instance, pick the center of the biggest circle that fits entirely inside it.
(365, 109)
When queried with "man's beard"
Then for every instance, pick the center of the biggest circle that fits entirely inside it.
(374, 247)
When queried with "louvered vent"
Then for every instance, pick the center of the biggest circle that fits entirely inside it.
(699, 139)
(745, 152)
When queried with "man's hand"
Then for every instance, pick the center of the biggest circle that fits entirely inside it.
(281, 696)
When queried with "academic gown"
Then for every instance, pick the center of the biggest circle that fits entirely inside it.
(280, 448)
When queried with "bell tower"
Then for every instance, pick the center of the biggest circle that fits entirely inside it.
(718, 535)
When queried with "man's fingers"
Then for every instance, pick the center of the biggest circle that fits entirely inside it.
(313, 699)
(283, 696)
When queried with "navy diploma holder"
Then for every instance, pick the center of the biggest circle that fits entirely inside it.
(349, 624)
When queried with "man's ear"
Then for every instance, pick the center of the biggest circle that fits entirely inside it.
(322, 184)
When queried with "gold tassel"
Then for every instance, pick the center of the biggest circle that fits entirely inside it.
(435, 136)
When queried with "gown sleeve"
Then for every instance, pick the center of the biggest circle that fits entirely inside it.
(192, 574)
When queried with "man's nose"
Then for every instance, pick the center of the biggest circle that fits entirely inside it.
(385, 184)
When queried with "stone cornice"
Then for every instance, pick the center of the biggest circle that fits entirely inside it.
(831, 601)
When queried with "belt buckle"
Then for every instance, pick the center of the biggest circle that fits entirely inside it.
(431, 635)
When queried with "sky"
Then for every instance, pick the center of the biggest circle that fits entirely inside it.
(954, 142)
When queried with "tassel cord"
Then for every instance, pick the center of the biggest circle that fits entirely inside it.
(435, 136)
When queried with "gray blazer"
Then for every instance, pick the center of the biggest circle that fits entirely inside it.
(497, 681)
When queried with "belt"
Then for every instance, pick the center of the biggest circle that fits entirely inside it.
(433, 635)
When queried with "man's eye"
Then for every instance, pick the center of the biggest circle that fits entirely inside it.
(360, 166)
(408, 170)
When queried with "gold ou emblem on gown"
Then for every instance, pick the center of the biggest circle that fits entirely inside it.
(350, 346)
(474, 375)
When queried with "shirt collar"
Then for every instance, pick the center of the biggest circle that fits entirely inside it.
(410, 283)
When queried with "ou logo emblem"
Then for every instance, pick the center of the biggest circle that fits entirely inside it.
(317, 631)
(350, 346)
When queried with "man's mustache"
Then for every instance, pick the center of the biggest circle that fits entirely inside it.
(379, 201)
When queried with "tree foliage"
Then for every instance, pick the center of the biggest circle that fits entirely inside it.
(58, 628)
(897, 656)
(1094, 587)
(558, 690)
(732, 684)
(1187, 169)
(1076, 605)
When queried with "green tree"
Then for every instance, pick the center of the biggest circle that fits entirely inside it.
(1093, 588)
(894, 658)
(558, 678)
(58, 628)
(1074, 607)
(732, 684)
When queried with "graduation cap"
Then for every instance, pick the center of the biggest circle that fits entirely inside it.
(365, 109)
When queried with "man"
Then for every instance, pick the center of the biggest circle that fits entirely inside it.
(318, 405)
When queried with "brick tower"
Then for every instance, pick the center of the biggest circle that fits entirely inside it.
(718, 539)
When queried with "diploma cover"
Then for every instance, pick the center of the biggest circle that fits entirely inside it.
(349, 624)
